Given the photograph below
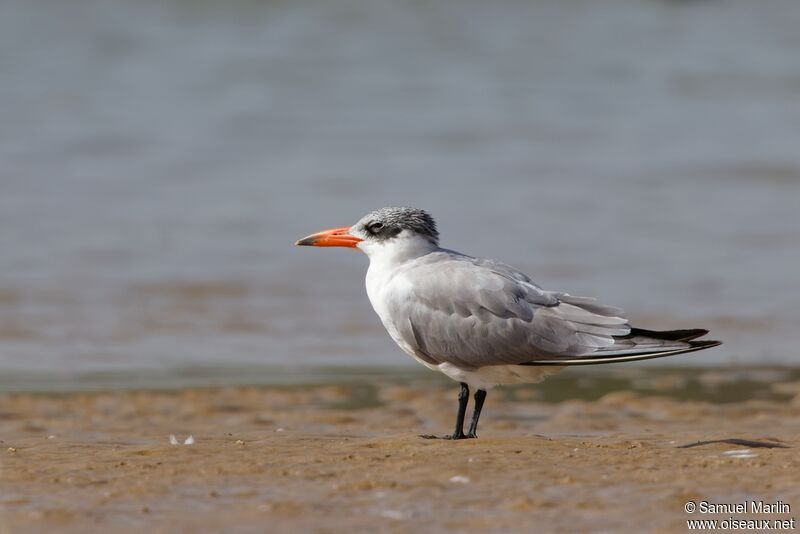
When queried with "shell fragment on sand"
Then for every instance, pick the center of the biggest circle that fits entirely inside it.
(740, 453)
(174, 441)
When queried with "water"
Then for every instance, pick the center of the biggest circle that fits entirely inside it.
(159, 158)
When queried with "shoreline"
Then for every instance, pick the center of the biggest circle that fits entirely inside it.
(578, 380)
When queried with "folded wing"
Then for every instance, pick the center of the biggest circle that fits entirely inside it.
(472, 313)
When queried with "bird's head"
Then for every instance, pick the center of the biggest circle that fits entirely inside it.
(383, 229)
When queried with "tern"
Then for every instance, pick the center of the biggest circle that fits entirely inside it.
(481, 322)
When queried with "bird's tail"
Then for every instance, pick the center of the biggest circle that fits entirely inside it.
(639, 344)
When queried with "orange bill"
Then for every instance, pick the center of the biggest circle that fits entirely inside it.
(335, 237)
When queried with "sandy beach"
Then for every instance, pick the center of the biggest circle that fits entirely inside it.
(347, 457)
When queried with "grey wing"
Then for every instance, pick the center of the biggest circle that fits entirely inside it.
(473, 313)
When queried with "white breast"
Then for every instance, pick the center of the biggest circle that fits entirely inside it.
(387, 291)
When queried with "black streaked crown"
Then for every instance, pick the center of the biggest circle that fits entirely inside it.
(385, 223)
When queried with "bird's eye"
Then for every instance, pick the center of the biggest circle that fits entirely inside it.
(375, 227)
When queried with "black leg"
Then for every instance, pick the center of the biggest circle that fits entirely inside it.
(463, 399)
(458, 433)
(480, 396)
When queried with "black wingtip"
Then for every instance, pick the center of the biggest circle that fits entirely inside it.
(671, 335)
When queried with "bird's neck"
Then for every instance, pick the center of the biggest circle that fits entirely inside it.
(390, 254)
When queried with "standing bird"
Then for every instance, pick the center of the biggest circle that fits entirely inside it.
(482, 322)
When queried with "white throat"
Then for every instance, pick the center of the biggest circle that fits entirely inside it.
(385, 255)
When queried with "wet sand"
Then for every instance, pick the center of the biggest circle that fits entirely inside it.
(334, 458)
